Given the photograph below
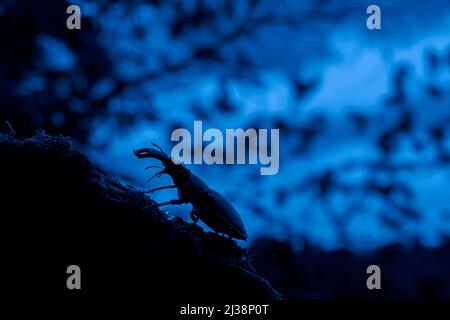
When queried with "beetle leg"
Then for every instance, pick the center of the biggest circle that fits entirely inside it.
(195, 215)
(171, 202)
(160, 188)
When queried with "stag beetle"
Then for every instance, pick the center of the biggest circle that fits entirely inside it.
(208, 205)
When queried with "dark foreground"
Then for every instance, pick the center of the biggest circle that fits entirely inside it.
(59, 210)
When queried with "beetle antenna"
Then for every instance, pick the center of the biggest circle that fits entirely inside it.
(149, 167)
(159, 148)
(160, 188)
(157, 175)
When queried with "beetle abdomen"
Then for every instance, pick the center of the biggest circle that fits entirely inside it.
(221, 216)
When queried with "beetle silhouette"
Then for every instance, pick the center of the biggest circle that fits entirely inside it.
(208, 205)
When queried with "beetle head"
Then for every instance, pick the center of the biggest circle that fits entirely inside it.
(174, 168)
(178, 171)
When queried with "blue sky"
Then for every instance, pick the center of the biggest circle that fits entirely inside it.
(350, 69)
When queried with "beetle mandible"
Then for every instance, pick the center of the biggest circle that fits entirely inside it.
(208, 205)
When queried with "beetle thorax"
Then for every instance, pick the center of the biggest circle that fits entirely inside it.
(192, 188)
